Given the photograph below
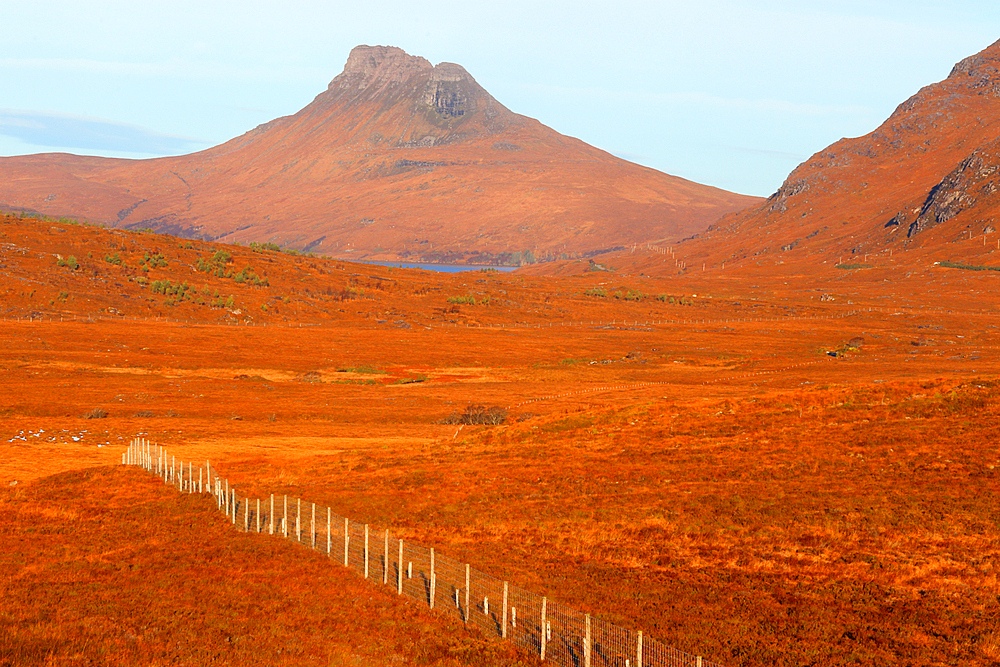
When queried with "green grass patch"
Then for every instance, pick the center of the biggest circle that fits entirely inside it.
(968, 267)
(362, 370)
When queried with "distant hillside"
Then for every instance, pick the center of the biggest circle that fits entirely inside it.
(925, 181)
(397, 159)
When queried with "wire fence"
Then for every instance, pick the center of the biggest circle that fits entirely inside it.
(542, 627)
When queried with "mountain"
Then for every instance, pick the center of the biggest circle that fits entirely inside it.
(925, 181)
(397, 159)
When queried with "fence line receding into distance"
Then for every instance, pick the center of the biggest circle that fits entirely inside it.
(542, 627)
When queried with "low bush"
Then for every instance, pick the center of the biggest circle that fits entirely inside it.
(70, 263)
(476, 414)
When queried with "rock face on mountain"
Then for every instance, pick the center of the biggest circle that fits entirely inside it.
(397, 159)
(925, 180)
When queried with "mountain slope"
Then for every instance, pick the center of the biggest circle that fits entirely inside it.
(924, 180)
(396, 159)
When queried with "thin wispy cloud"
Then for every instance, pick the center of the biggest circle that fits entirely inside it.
(175, 68)
(760, 105)
(67, 131)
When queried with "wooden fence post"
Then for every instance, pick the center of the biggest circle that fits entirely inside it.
(284, 520)
(258, 515)
(385, 559)
(298, 519)
(190, 477)
(312, 528)
(329, 533)
(468, 581)
(246, 516)
(347, 540)
(544, 603)
(638, 650)
(586, 643)
(270, 517)
(399, 570)
(503, 624)
(433, 580)
(366, 551)
(201, 484)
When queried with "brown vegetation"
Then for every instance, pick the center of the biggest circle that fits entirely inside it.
(695, 467)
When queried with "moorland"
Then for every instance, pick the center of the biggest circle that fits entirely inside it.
(770, 443)
(682, 453)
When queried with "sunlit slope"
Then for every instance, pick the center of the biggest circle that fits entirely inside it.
(396, 159)
(922, 183)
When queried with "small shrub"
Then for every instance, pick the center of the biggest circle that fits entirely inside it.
(70, 263)
(96, 413)
(144, 414)
(152, 261)
(630, 295)
(476, 414)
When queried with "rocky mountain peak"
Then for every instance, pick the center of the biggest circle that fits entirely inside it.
(368, 65)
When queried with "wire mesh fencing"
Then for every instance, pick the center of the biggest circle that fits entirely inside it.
(541, 627)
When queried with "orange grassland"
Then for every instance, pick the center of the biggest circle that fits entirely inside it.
(697, 467)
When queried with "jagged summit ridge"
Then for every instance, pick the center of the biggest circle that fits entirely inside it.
(376, 65)
(410, 102)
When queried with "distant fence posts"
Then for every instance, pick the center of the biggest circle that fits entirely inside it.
(553, 633)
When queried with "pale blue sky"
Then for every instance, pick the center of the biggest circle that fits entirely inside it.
(729, 93)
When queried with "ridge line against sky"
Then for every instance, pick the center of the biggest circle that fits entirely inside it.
(726, 93)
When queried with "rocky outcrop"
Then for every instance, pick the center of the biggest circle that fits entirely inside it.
(971, 182)
(422, 105)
